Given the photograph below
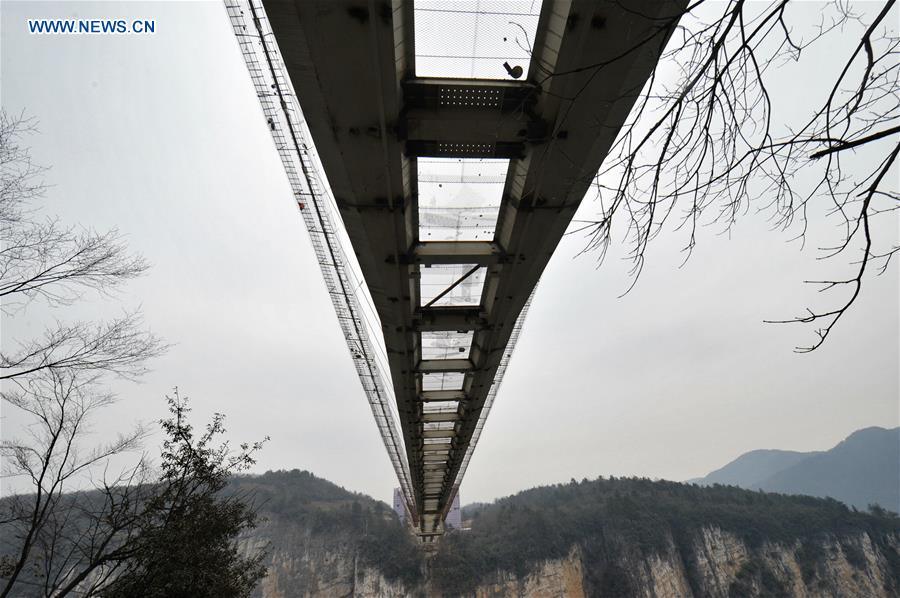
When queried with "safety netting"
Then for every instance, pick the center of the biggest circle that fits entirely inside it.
(446, 344)
(459, 198)
(451, 284)
(475, 39)
(443, 381)
(353, 305)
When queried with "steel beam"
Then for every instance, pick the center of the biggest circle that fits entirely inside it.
(500, 96)
(482, 253)
(486, 119)
(458, 319)
(430, 366)
(431, 452)
(438, 433)
(430, 418)
(428, 396)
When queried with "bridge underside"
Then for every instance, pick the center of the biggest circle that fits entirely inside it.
(449, 294)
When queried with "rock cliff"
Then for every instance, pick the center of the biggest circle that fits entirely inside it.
(616, 538)
(719, 565)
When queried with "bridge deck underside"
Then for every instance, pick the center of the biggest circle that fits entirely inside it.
(449, 303)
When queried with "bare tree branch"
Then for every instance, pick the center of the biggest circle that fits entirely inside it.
(121, 347)
(710, 143)
(40, 259)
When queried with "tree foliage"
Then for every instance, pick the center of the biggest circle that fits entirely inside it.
(185, 542)
(302, 509)
(136, 532)
(167, 533)
(631, 519)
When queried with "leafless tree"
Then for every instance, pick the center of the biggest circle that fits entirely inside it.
(709, 140)
(57, 540)
(90, 519)
(54, 383)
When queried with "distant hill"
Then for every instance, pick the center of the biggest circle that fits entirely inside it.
(864, 469)
(755, 465)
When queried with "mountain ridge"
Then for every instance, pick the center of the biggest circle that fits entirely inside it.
(861, 470)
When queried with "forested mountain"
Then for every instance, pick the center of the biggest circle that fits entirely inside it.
(323, 539)
(863, 469)
(605, 537)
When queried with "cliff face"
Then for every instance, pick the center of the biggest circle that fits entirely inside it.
(617, 538)
(558, 578)
(721, 565)
(716, 565)
(305, 563)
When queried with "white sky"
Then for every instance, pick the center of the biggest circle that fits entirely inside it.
(161, 136)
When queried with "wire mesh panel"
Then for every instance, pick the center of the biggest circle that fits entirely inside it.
(440, 407)
(282, 115)
(446, 344)
(443, 381)
(451, 284)
(459, 198)
(492, 393)
(428, 441)
(438, 426)
(473, 39)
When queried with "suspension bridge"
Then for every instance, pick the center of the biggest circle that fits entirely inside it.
(437, 152)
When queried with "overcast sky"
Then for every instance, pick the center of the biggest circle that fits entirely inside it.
(161, 136)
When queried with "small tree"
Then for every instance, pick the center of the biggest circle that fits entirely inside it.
(54, 382)
(51, 536)
(169, 534)
(56, 542)
(186, 544)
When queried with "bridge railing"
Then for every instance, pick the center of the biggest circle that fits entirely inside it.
(282, 114)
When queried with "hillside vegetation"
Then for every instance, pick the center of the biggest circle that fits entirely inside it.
(640, 517)
(604, 537)
(304, 513)
(324, 540)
